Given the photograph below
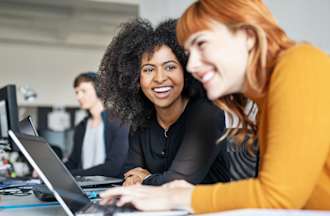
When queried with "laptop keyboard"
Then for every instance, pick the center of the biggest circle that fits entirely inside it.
(106, 210)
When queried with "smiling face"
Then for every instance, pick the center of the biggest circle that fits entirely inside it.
(161, 77)
(218, 58)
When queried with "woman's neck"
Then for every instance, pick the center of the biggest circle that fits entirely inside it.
(167, 116)
(95, 112)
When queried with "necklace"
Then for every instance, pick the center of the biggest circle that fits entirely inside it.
(165, 132)
(167, 128)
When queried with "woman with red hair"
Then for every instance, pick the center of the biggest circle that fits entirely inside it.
(237, 50)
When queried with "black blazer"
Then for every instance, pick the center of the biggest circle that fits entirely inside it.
(116, 146)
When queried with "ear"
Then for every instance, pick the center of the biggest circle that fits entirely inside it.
(251, 38)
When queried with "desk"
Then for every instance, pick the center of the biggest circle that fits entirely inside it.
(57, 210)
(9, 200)
(30, 205)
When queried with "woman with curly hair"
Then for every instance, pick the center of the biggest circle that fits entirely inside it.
(144, 78)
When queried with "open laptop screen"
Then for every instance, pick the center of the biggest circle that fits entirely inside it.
(52, 168)
(26, 127)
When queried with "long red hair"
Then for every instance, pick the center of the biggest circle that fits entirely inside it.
(271, 40)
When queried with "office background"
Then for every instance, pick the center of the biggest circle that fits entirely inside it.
(44, 44)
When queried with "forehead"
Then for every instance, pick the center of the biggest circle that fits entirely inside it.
(213, 27)
(159, 54)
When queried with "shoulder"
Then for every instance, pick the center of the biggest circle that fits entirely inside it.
(82, 123)
(302, 57)
(300, 65)
(111, 118)
(202, 105)
(304, 50)
(204, 110)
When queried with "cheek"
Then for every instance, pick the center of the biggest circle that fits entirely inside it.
(144, 84)
(178, 79)
(212, 55)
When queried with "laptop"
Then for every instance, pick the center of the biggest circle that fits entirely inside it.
(63, 185)
(26, 126)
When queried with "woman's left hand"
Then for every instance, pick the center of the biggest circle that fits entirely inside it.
(150, 198)
(135, 176)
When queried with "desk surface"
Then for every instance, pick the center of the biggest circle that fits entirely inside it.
(22, 202)
(28, 205)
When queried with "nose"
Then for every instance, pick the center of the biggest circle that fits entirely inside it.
(194, 62)
(160, 76)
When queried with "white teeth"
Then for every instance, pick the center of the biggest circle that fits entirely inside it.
(162, 89)
(207, 76)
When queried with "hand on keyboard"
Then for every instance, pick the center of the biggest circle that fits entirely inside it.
(109, 209)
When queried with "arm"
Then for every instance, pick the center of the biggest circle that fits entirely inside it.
(198, 149)
(295, 123)
(117, 148)
(135, 154)
(74, 160)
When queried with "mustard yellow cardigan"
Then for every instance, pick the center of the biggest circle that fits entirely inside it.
(294, 138)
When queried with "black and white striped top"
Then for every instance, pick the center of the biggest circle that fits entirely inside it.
(234, 161)
(242, 163)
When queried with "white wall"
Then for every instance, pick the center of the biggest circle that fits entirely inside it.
(302, 19)
(158, 10)
(49, 70)
(46, 43)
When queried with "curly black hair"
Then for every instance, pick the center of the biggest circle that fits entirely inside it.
(119, 71)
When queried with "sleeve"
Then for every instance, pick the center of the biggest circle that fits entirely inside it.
(295, 140)
(117, 153)
(135, 153)
(74, 159)
(198, 149)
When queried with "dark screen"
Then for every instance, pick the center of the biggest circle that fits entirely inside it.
(9, 104)
(55, 171)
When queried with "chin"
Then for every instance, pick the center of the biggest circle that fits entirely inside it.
(163, 105)
(213, 95)
(85, 107)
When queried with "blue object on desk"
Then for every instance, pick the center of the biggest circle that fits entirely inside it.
(92, 194)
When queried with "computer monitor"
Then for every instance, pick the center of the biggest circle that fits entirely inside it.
(8, 114)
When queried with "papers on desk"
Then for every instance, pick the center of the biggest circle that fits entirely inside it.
(270, 212)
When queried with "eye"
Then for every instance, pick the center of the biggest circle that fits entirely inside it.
(201, 44)
(147, 69)
(170, 67)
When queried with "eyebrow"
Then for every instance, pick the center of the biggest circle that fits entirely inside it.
(170, 61)
(193, 41)
(164, 63)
